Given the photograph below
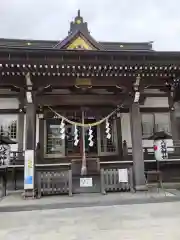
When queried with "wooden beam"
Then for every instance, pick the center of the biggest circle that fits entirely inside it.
(65, 82)
(90, 108)
(9, 111)
(154, 94)
(127, 82)
(83, 100)
(105, 109)
(57, 56)
(94, 108)
(8, 81)
(91, 111)
(154, 109)
(10, 95)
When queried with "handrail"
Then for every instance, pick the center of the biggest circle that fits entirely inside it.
(52, 164)
(146, 161)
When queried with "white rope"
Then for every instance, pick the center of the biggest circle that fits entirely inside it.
(81, 124)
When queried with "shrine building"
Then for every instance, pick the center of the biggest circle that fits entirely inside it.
(87, 107)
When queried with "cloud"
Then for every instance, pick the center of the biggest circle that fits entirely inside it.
(125, 20)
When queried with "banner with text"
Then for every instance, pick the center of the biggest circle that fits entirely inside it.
(29, 170)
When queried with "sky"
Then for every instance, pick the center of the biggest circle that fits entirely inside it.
(108, 20)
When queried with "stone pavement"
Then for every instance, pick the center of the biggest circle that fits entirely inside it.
(153, 221)
(14, 202)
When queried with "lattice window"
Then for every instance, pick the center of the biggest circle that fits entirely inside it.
(155, 122)
(13, 130)
(147, 129)
(54, 143)
(9, 130)
(162, 122)
(108, 146)
(147, 125)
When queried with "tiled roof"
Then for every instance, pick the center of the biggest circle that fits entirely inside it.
(112, 46)
(78, 26)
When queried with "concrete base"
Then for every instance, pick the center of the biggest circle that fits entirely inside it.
(141, 188)
(29, 194)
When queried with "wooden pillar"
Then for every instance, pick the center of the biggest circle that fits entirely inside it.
(31, 140)
(137, 148)
(20, 138)
(20, 131)
(119, 138)
(41, 140)
(20, 127)
(174, 119)
(30, 126)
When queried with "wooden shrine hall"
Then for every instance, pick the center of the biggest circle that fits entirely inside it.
(80, 109)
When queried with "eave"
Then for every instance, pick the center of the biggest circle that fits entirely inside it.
(43, 54)
(155, 68)
(49, 44)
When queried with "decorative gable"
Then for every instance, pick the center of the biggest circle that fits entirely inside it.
(80, 43)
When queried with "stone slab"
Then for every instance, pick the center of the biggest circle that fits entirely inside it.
(128, 222)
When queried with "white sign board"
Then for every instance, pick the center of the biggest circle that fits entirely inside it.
(86, 182)
(5, 154)
(123, 175)
(29, 170)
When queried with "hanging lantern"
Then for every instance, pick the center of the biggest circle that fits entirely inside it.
(90, 139)
(62, 129)
(108, 134)
(160, 149)
(76, 140)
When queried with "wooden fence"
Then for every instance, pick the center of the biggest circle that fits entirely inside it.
(54, 182)
(110, 181)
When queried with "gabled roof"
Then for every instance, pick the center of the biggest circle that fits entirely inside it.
(79, 28)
